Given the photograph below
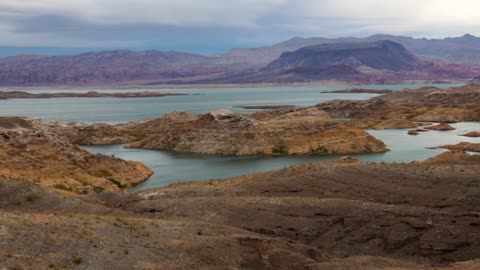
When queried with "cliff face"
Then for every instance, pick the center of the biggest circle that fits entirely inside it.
(34, 151)
(291, 131)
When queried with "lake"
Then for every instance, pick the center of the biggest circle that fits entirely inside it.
(172, 167)
(116, 110)
(177, 167)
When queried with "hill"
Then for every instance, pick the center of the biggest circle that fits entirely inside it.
(449, 59)
(361, 62)
(106, 67)
(459, 50)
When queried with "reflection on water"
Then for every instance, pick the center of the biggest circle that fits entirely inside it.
(176, 167)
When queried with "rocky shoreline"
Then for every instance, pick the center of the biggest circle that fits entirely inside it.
(67, 206)
(289, 131)
(38, 152)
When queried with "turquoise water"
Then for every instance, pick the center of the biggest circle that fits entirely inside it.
(115, 110)
(175, 167)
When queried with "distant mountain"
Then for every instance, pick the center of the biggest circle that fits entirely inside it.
(378, 62)
(377, 55)
(105, 68)
(298, 59)
(460, 50)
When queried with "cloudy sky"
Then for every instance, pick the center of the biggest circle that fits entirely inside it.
(209, 26)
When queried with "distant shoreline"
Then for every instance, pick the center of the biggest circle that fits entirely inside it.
(91, 94)
(216, 86)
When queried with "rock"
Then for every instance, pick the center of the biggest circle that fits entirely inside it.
(97, 134)
(450, 157)
(297, 131)
(347, 160)
(413, 132)
(220, 114)
(33, 151)
(441, 127)
(473, 134)
(421, 105)
(463, 146)
(395, 124)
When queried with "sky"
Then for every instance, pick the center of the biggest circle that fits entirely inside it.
(213, 26)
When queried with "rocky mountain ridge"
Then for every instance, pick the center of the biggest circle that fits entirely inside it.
(450, 59)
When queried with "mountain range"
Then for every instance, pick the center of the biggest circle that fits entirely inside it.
(458, 50)
(378, 59)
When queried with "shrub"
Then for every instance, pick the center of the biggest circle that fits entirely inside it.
(98, 189)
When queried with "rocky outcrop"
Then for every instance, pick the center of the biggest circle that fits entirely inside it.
(401, 109)
(463, 146)
(413, 132)
(97, 134)
(473, 134)
(441, 127)
(39, 152)
(450, 157)
(284, 132)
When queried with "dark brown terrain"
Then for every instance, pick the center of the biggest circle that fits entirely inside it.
(343, 215)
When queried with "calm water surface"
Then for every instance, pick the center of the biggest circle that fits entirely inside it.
(116, 110)
(174, 167)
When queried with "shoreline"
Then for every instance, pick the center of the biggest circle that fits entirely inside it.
(91, 94)
(219, 86)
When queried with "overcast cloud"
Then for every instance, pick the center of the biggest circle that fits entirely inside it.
(216, 25)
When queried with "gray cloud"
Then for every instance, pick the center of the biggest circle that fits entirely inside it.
(213, 25)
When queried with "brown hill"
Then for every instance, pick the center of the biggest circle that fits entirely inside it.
(313, 216)
(39, 152)
(288, 131)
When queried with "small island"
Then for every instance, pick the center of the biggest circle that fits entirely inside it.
(91, 94)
